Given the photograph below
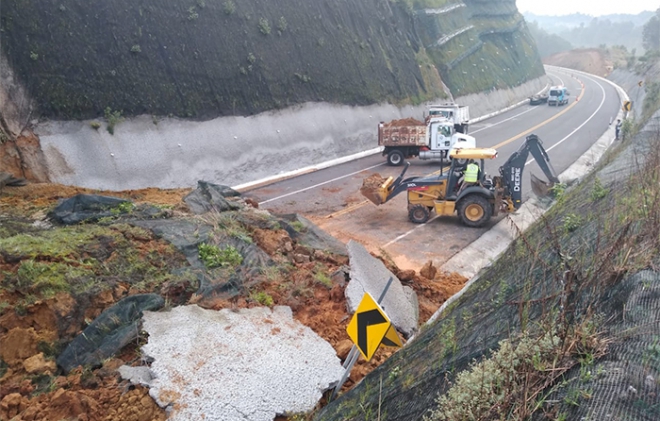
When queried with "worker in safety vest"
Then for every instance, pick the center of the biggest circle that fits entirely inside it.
(470, 175)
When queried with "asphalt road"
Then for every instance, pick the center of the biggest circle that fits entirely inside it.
(331, 198)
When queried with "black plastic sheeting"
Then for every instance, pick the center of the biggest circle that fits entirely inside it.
(86, 208)
(211, 197)
(115, 328)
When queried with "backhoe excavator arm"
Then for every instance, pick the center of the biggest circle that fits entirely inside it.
(512, 170)
(388, 189)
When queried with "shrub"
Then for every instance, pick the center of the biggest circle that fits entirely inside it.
(282, 25)
(598, 191)
(229, 7)
(136, 49)
(95, 125)
(572, 222)
(264, 26)
(113, 118)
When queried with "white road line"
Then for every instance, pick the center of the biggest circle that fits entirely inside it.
(526, 163)
(581, 125)
(500, 122)
(318, 185)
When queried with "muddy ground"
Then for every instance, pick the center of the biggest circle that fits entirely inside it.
(34, 328)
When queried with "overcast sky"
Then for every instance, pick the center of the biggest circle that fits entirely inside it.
(588, 7)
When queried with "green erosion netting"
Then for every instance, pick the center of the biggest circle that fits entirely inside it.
(584, 262)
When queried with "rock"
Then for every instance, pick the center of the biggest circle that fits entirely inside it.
(136, 375)
(37, 364)
(301, 258)
(428, 270)
(343, 348)
(341, 276)
(406, 275)
(307, 234)
(369, 274)
(12, 405)
(211, 197)
(17, 345)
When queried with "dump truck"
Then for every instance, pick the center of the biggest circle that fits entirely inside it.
(457, 114)
(475, 203)
(432, 139)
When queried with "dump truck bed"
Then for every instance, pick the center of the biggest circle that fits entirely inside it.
(405, 132)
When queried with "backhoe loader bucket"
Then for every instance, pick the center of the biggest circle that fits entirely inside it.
(375, 188)
(541, 188)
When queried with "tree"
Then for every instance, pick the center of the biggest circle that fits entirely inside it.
(651, 33)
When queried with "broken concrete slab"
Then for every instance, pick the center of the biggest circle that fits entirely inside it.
(136, 375)
(236, 365)
(368, 274)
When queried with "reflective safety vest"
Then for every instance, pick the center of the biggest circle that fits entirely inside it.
(471, 173)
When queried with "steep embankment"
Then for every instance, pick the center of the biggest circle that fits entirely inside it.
(479, 45)
(145, 73)
(203, 59)
(208, 58)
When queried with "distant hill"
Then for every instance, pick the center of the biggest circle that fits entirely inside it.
(584, 31)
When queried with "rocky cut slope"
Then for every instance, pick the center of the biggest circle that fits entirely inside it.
(478, 45)
(207, 58)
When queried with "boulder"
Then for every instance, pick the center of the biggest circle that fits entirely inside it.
(368, 274)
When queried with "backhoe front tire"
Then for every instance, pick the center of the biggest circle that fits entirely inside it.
(419, 214)
(395, 158)
(474, 210)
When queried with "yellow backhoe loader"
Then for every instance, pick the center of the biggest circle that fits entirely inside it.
(475, 203)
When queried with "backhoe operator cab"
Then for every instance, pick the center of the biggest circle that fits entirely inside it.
(476, 203)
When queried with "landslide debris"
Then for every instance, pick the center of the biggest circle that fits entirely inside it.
(56, 281)
(404, 122)
(371, 187)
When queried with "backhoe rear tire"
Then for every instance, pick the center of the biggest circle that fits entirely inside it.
(474, 210)
(419, 214)
(395, 158)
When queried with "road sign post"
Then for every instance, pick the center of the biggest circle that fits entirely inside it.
(354, 354)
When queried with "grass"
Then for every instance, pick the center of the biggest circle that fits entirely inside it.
(262, 298)
(493, 388)
(85, 258)
(213, 256)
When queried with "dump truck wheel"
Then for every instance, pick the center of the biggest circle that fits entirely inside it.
(474, 210)
(395, 158)
(419, 214)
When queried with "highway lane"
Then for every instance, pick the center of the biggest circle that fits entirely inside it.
(331, 199)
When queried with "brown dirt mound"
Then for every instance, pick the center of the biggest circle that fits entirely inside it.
(371, 186)
(405, 122)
